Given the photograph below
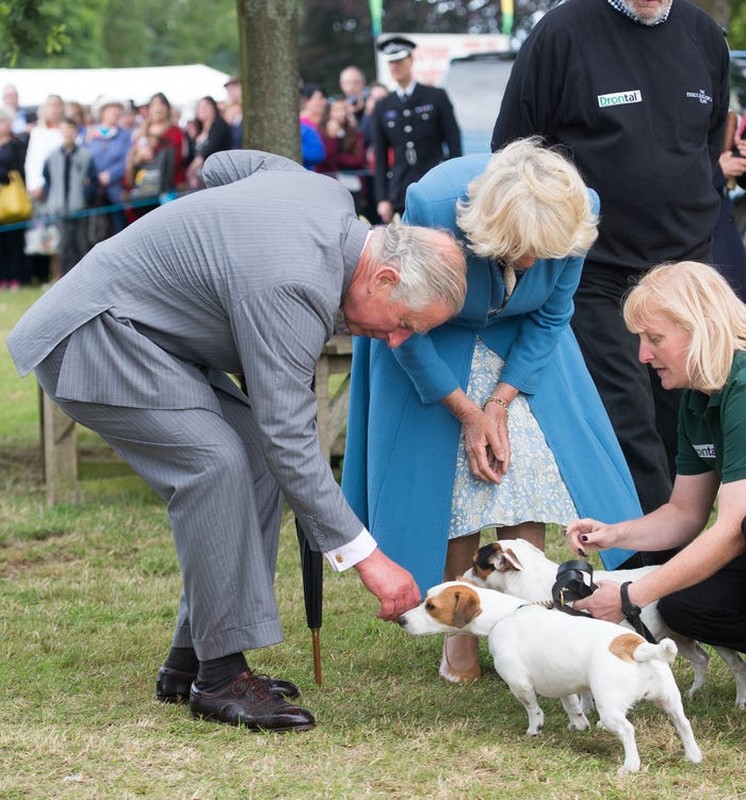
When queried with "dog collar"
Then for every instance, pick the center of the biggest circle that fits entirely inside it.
(629, 609)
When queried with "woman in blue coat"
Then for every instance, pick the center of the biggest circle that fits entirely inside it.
(492, 418)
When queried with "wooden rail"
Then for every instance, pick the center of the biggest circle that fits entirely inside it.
(58, 436)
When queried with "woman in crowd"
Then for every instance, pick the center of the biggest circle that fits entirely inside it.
(44, 138)
(158, 128)
(345, 150)
(109, 141)
(313, 111)
(491, 419)
(692, 330)
(214, 135)
(11, 241)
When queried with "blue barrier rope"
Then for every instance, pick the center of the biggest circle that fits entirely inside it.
(93, 211)
(145, 201)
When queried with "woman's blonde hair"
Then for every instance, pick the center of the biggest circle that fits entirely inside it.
(529, 202)
(697, 297)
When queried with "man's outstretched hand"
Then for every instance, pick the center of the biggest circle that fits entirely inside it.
(394, 587)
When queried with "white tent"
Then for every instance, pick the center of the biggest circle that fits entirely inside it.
(182, 85)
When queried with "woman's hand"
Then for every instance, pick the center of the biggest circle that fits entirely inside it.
(604, 603)
(487, 443)
(733, 166)
(590, 534)
(485, 431)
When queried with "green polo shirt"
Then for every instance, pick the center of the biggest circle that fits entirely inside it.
(712, 428)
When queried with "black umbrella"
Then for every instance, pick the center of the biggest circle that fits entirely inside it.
(313, 583)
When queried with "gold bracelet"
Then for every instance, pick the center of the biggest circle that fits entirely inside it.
(503, 405)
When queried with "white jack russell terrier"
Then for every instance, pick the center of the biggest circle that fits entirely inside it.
(545, 651)
(517, 567)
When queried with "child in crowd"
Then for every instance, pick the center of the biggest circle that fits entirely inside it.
(70, 184)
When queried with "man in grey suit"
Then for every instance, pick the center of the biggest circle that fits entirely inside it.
(138, 341)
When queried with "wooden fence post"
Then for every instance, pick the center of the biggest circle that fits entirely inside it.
(59, 452)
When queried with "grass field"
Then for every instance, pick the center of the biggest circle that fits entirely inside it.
(87, 601)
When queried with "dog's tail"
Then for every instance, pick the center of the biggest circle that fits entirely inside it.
(665, 650)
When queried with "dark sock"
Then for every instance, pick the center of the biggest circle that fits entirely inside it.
(183, 659)
(217, 673)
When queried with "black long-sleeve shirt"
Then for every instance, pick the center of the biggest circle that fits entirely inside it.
(641, 110)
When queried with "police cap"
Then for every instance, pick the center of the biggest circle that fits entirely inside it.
(395, 48)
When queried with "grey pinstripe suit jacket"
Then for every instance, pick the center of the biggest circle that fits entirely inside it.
(245, 276)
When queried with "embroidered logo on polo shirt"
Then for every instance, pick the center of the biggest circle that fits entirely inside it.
(620, 98)
(701, 95)
(704, 450)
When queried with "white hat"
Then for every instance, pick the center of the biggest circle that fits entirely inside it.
(105, 100)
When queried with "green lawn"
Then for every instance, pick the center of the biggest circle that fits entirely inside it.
(87, 601)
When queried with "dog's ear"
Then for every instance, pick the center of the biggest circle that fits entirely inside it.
(506, 560)
(483, 560)
(466, 606)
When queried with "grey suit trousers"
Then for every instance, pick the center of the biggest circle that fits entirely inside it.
(224, 506)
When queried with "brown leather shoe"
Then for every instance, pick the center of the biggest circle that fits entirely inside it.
(248, 702)
(172, 686)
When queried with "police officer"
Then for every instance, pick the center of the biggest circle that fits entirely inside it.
(416, 122)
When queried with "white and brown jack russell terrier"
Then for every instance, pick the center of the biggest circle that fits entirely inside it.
(543, 651)
(517, 567)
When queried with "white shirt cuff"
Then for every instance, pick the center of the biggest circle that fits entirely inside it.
(342, 558)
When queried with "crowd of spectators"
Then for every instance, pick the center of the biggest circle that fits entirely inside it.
(90, 171)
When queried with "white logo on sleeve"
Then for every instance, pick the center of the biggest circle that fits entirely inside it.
(705, 450)
(620, 98)
(700, 96)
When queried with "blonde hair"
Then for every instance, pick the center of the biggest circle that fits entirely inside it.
(699, 299)
(529, 202)
(43, 112)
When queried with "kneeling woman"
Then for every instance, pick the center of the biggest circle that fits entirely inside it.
(491, 419)
(692, 330)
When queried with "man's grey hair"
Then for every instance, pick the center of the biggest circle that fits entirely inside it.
(430, 262)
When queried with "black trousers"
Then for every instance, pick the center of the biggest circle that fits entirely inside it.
(643, 414)
(713, 611)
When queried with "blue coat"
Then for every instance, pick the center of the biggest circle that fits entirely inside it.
(401, 446)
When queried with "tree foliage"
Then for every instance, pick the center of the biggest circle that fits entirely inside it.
(335, 33)
(332, 33)
(119, 33)
(32, 32)
(737, 27)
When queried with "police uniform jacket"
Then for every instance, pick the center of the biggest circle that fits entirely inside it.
(421, 131)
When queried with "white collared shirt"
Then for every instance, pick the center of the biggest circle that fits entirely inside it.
(407, 92)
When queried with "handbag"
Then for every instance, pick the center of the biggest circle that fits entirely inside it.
(42, 238)
(15, 204)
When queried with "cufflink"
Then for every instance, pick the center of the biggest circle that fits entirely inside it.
(339, 558)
